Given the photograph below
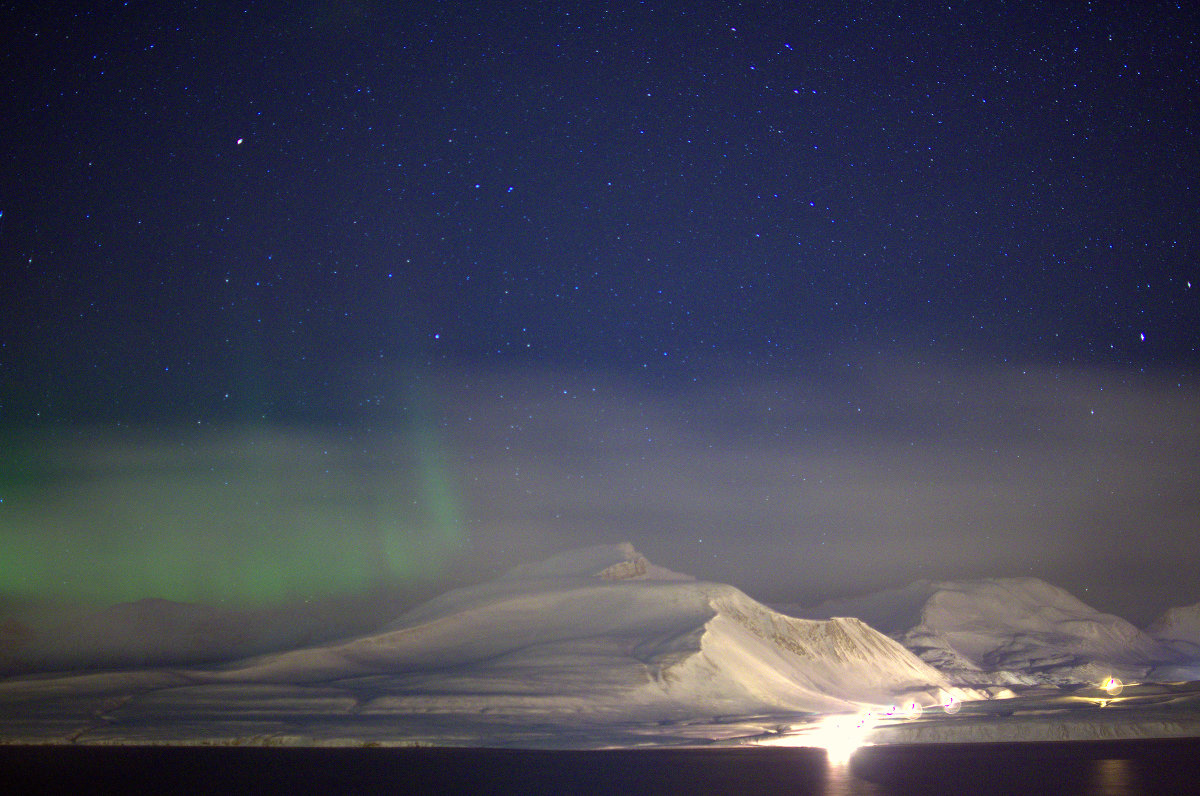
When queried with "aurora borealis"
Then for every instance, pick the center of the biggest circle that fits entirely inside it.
(806, 298)
(254, 517)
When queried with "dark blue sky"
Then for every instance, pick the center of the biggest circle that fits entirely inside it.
(639, 187)
(878, 291)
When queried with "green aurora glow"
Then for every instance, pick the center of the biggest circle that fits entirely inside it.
(248, 516)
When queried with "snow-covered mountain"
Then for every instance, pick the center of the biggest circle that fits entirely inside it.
(1007, 631)
(631, 636)
(598, 637)
(1179, 629)
(600, 647)
(607, 562)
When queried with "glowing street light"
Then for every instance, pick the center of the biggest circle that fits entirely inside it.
(840, 736)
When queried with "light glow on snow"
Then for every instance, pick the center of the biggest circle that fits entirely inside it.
(542, 656)
(841, 736)
(910, 709)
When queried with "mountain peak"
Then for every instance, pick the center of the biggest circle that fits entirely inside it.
(1006, 630)
(607, 562)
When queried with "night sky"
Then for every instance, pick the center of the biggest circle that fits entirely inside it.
(811, 298)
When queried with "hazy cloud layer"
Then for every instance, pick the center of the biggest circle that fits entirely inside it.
(800, 487)
(794, 488)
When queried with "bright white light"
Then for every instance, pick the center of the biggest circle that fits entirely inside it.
(951, 705)
(913, 710)
(840, 736)
(1113, 686)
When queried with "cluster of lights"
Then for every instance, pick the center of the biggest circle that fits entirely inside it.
(841, 735)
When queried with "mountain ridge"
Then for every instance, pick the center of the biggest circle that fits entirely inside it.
(1007, 631)
(688, 640)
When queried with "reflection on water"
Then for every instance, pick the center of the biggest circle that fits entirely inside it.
(1114, 778)
(1005, 769)
(1103, 768)
(840, 781)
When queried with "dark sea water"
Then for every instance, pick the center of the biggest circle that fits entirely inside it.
(1044, 768)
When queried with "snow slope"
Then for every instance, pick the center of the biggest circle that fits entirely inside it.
(1179, 629)
(663, 638)
(1007, 631)
(596, 637)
